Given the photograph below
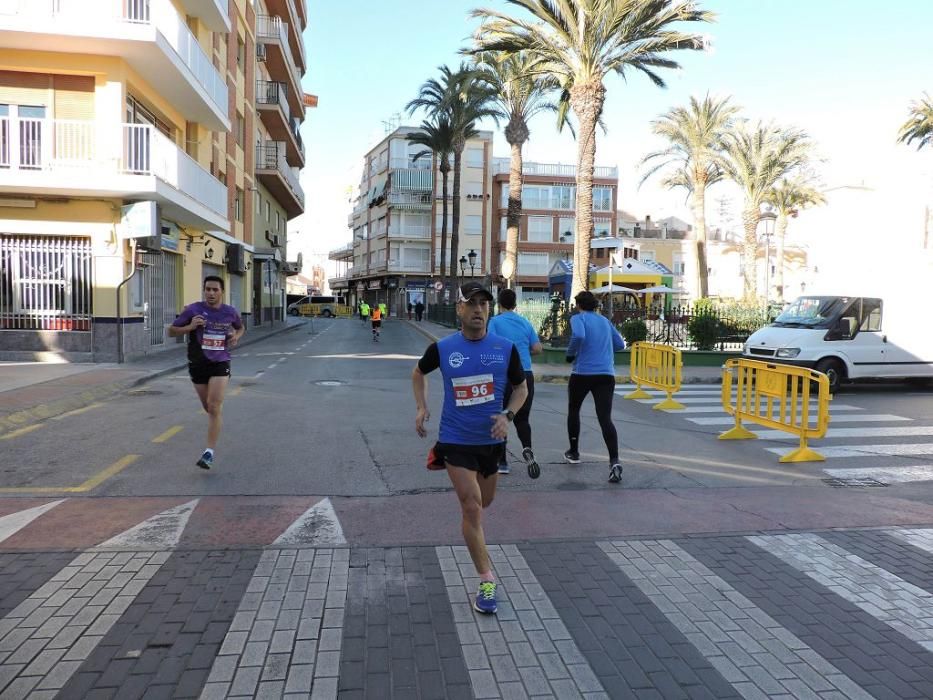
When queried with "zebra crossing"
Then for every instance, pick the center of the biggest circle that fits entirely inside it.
(805, 614)
(871, 447)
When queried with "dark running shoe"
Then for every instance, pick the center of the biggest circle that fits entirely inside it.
(504, 468)
(486, 598)
(534, 471)
(615, 473)
(572, 456)
(206, 461)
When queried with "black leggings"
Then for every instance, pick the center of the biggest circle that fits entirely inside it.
(603, 388)
(522, 426)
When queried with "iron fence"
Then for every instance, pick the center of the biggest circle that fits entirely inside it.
(45, 283)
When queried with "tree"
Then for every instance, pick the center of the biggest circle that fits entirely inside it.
(521, 91)
(580, 42)
(788, 197)
(919, 126)
(695, 135)
(438, 137)
(463, 99)
(755, 159)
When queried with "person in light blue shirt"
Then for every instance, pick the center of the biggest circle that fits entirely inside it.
(509, 324)
(593, 342)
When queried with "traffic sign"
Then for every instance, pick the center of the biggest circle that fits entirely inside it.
(438, 285)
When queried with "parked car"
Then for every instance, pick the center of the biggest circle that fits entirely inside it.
(315, 306)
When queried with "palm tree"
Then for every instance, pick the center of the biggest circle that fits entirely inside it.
(695, 135)
(755, 159)
(463, 99)
(521, 92)
(788, 197)
(437, 136)
(579, 43)
(919, 126)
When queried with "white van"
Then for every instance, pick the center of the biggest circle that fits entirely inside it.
(848, 338)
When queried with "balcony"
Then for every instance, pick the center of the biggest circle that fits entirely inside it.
(274, 172)
(342, 282)
(272, 104)
(501, 166)
(67, 158)
(423, 268)
(149, 35)
(423, 163)
(272, 47)
(410, 201)
(411, 232)
(344, 252)
(287, 11)
(212, 12)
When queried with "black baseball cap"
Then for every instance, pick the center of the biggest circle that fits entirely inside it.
(471, 289)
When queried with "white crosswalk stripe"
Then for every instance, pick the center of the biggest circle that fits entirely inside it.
(844, 433)
(845, 418)
(885, 475)
(835, 452)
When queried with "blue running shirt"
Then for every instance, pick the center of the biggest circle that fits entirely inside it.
(475, 373)
(519, 330)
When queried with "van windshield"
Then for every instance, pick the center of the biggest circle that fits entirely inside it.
(811, 312)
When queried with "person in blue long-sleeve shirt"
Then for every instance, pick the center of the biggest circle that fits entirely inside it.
(593, 342)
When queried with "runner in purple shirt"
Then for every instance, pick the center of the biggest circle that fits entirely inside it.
(213, 329)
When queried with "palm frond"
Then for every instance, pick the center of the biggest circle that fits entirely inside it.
(919, 125)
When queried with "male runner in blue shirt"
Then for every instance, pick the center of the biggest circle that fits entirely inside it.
(475, 367)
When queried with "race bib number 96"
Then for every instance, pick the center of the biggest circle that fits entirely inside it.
(469, 391)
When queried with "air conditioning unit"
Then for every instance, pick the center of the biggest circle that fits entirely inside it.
(261, 53)
(236, 258)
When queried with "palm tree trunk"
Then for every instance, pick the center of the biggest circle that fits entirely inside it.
(750, 217)
(444, 221)
(514, 214)
(586, 100)
(780, 229)
(455, 223)
(699, 224)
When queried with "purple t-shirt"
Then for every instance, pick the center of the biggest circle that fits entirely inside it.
(209, 342)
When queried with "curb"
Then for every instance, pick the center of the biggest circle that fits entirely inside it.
(85, 398)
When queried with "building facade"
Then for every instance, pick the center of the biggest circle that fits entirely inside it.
(128, 170)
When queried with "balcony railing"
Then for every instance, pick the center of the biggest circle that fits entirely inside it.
(63, 145)
(270, 155)
(412, 201)
(503, 165)
(268, 27)
(105, 21)
(271, 92)
(423, 267)
(411, 232)
(342, 250)
(423, 163)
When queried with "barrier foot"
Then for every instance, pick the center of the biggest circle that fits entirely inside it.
(803, 454)
(639, 393)
(739, 432)
(668, 404)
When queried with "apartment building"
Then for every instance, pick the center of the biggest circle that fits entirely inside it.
(396, 221)
(127, 167)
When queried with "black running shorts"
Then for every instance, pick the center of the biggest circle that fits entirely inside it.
(201, 372)
(484, 459)
(377, 324)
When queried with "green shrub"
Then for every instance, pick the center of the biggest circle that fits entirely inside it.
(634, 330)
(704, 331)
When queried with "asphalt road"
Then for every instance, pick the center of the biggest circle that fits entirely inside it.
(326, 411)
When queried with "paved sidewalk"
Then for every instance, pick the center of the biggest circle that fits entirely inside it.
(31, 391)
(554, 373)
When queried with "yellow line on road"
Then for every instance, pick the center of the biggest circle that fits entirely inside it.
(20, 431)
(236, 392)
(704, 472)
(168, 434)
(91, 483)
(77, 411)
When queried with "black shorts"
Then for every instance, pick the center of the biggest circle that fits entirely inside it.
(484, 459)
(377, 324)
(201, 372)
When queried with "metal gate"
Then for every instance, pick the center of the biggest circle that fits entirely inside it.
(160, 285)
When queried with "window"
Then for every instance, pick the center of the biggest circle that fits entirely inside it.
(535, 197)
(533, 263)
(240, 53)
(678, 265)
(416, 259)
(647, 256)
(563, 197)
(602, 228)
(474, 157)
(438, 220)
(473, 224)
(503, 228)
(540, 229)
(871, 315)
(564, 226)
(602, 199)
(277, 220)
(240, 129)
(473, 190)
(268, 210)
(238, 205)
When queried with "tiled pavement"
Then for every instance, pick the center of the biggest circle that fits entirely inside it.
(828, 615)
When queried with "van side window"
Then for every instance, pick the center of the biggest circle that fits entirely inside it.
(871, 315)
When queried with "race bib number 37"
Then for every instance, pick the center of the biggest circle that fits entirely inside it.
(469, 391)
(212, 340)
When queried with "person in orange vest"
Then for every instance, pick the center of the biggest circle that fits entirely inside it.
(377, 322)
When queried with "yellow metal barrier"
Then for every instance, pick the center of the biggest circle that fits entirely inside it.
(657, 366)
(776, 396)
(344, 311)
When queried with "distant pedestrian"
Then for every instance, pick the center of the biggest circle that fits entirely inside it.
(419, 310)
(377, 322)
(593, 341)
(364, 312)
(385, 311)
(410, 307)
(509, 324)
(213, 329)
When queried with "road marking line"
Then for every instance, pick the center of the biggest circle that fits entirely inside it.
(14, 522)
(91, 483)
(847, 418)
(77, 411)
(161, 531)
(20, 431)
(839, 433)
(168, 434)
(317, 526)
(831, 452)
(719, 409)
(887, 475)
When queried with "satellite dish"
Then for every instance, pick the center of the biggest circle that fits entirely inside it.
(508, 268)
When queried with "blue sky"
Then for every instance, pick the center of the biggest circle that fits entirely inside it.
(843, 70)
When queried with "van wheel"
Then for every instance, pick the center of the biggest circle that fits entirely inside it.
(326, 313)
(834, 370)
(293, 312)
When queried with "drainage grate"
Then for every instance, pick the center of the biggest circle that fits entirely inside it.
(850, 482)
(329, 382)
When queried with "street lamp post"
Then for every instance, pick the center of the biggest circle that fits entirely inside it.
(768, 217)
(472, 256)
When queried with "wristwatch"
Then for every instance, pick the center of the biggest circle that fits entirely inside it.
(509, 415)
